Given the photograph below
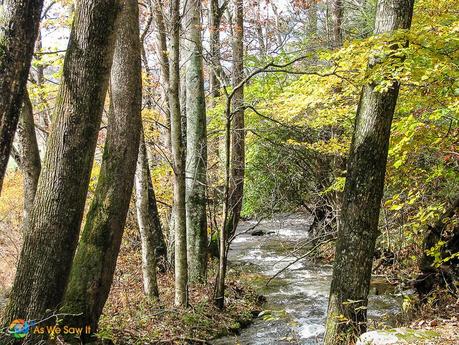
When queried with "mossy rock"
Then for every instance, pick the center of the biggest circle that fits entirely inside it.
(396, 336)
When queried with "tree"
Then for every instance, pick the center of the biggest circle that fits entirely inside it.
(178, 158)
(236, 187)
(95, 260)
(312, 18)
(259, 31)
(215, 18)
(364, 188)
(161, 51)
(234, 152)
(153, 246)
(196, 139)
(337, 22)
(54, 223)
(28, 157)
(19, 21)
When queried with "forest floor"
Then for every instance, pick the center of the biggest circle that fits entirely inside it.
(131, 318)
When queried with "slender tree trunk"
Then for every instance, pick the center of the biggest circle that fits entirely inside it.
(277, 18)
(337, 22)
(161, 50)
(149, 222)
(196, 157)
(312, 19)
(215, 18)
(94, 264)
(347, 313)
(234, 154)
(236, 186)
(18, 31)
(54, 223)
(259, 30)
(178, 156)
(30, 155)
(219, 295)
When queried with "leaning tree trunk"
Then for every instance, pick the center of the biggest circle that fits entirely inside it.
(236, 186)
(29, 155)
(178, 157)
(347, 312)
(154, 252)
(54, 223)
(94, 264)
(196, 143)
(18, 31)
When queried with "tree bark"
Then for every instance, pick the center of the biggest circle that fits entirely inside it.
(215, 18)
(196, 157)
(149, 223)
(54, 223)
(259, 30)
(337, 22)
(234, 154)
(363, 191)
(161, 50)
(312, 19)
(236, 187)
(18, 31)
(30, 155)
(94, 264)
(178, 157)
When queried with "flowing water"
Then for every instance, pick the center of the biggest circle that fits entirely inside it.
(296, 304)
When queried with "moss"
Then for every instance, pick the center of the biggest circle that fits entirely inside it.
(414, 334)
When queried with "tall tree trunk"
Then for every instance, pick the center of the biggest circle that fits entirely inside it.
(178, 157)
(149, 223)
(234, 153)
(161, 50)
(196, 157)
(312, 19)
(215, 18)
(95, 260)
(30, 155)
(236, 187)
(363, 192)
(54, 223)
(337, 22)
(260, 36)
(18, 31)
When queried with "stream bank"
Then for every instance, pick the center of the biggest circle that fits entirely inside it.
(297, 299)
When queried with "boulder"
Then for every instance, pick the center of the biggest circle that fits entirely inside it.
(396, 336)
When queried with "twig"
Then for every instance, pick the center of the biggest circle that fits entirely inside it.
(296, 260)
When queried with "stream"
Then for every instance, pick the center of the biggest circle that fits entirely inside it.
(296, 305)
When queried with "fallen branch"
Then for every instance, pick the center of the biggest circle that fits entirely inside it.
(296, 260)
